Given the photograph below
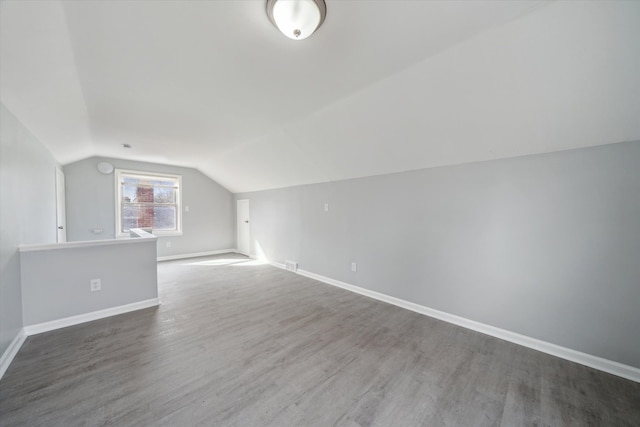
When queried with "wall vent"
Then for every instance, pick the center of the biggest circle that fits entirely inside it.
(291, 266)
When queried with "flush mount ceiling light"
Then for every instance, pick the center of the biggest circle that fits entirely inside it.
(105, 168)
(297, 19)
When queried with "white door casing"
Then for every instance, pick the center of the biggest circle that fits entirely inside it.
(61, 218)
(244, 227)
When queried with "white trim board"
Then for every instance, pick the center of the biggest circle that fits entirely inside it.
(599, 363)
(11, 351)
(279, 265)
(88, 317)
(195, 255)
(85, 244)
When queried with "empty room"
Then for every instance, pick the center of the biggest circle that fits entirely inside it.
(320, 213)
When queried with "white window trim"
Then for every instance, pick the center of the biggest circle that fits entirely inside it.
(118, 197)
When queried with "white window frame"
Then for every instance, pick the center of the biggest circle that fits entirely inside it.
(118, 193)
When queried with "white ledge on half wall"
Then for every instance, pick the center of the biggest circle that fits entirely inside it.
(137, 236)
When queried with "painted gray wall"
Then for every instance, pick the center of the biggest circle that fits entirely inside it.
(127, 270)
(547, 245)
(209, 225)
(27, 212)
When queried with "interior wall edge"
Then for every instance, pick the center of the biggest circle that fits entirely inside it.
(11, 351)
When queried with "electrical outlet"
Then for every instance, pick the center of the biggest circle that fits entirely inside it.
(326, 207)
(354, 266)
(186, 208)
(96, 285)
(169, 244)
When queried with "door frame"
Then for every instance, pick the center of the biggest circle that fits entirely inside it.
(61, 211)
(239, 223)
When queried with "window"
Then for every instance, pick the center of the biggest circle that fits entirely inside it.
(148, 200)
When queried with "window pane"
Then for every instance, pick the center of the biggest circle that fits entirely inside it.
(129, 218)
(145, 216)
(165, 217)
(129, 193)
(144, 194)
(130, 180)
(137, 216)
(164, 195)
(148, 201)
(162, 182)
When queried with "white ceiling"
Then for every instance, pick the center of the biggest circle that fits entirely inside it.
(382, 87)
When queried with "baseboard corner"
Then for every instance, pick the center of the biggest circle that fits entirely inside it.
(11, 351)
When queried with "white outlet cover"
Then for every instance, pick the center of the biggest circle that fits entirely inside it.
(326, 207)
(186, 208)
(354, 266)
(96, 285)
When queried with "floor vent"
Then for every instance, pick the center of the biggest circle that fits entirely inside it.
(291, 266)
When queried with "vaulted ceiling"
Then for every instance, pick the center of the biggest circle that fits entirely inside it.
(382, 87)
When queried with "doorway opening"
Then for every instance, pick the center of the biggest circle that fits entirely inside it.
(244, 227)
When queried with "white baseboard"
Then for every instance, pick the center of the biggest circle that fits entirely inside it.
(615, 368)
(195, 255)
(88, 317)
(277, 264)
(11, 351)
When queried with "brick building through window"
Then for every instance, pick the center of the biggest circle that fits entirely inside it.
(149, 201)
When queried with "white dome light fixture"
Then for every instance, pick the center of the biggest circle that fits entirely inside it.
(105, 168)
(297, 19)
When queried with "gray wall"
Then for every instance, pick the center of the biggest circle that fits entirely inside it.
(209, 225)
(127, 270)
(547, 246)
(27, 212)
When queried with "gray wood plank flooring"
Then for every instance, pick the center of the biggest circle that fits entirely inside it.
(235, 344)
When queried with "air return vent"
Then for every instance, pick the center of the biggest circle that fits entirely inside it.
(291, 266)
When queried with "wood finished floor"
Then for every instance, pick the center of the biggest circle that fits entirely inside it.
(235, 344)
